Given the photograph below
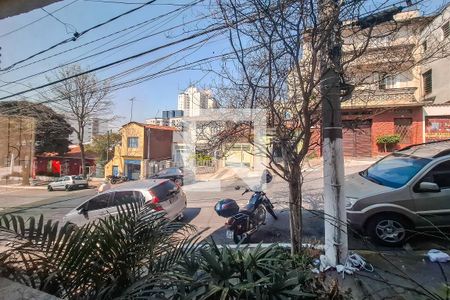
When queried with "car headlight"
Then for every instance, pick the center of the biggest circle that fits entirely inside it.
(350, 201)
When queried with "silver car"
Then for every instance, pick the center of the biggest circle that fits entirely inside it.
(406, 191)
(68, 183)
(163, 193)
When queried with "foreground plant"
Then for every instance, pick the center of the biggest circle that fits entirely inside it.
(96, 261)
(139, 254)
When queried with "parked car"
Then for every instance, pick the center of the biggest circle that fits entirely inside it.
(406, 191)
(68, 183)
(178, 175)
(163, 193)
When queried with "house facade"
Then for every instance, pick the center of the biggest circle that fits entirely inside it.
(393, 87)
(142, 145)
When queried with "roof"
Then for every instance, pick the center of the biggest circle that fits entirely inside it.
(428, 150)
(151, 126)
(73, 153)
(137, 185)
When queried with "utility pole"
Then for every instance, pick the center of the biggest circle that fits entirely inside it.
(131, 112)
(107, 146)
(336, 241)
(336, 238)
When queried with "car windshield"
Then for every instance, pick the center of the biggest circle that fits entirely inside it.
(78, 177)
(395, 170)
(170, 171)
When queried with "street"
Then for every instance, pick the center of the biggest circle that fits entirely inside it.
(202, 197)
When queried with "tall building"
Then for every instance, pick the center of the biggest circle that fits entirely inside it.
(94, 127)
(193, 100)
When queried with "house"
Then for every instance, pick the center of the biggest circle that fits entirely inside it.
(54, 164)
(142, 145)
(392, 93)
(434, 54)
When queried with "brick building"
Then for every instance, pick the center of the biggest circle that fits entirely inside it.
(142, 145)
(393, 87)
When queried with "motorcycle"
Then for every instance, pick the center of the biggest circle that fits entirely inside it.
(242, 223)
(113, 179)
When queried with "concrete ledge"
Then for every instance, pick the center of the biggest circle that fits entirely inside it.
(10, 290)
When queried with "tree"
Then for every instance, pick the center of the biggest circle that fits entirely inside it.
(278, 66)
(81, 98)
(103, 145)
(52, 130)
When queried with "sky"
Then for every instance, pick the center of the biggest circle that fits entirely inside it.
(20, 39)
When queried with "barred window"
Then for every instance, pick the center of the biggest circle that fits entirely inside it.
(427, 82)
(446, 29)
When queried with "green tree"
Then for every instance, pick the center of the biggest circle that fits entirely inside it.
(103, 145)
(52, 130)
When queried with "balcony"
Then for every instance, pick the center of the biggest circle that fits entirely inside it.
(382, 98)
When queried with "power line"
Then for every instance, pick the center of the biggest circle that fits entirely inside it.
(85, 44)
(35, 21)
(211, 30)
(96, 54)
(66, 25)
(77, 35)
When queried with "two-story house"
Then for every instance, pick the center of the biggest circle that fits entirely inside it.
(142, 145)
(386, 99)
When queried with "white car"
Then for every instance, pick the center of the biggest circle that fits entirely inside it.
(68, 183)
(163, 193)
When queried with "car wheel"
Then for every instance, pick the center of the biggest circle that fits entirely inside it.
(49, 188)
(389, 230)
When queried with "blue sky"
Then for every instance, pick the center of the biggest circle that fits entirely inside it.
(152, 96)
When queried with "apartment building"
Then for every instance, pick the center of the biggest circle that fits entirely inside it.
(398, 88)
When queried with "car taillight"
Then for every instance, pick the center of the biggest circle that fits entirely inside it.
(155, 201)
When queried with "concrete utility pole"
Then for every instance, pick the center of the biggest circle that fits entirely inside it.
(336, 238)
(336, 241)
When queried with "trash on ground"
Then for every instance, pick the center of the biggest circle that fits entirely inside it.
(438, 256)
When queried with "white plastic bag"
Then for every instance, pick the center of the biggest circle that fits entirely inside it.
(438, 256)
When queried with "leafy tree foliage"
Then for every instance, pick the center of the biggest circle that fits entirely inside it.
(139, 254)
(103, 143)
(52, 130)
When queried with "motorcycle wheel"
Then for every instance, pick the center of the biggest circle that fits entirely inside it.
(113, 181)
(241, 238)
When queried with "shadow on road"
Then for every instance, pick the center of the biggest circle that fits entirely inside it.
(190, 214)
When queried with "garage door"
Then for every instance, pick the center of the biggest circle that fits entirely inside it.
(357, 138)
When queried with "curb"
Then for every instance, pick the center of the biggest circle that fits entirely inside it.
(14, 187)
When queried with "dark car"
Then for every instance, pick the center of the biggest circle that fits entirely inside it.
(178, 175)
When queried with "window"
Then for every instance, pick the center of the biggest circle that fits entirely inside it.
(439, 175)
(386, 81)
(133, 142)
(403, 129)
(162, 191)
(125, 197)
(427, 82)
(99, 202)
(446, 29)
(395, 170)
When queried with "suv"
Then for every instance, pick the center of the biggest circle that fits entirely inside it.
(68, 183)
(163, 193)
(407, 190)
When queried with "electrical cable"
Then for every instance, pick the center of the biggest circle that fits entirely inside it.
(35, 21)
(93, 55)
(77, 35)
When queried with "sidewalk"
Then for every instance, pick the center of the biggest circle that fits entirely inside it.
(398, 275)
(20, 186)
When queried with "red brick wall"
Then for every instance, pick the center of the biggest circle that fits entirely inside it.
(384, 124)
(160, 144)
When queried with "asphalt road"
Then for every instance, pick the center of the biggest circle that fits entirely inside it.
(200, 212)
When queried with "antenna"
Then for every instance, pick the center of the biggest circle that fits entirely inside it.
(131, 111)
